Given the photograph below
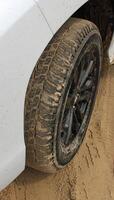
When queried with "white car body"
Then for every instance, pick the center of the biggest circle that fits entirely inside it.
(26, 27)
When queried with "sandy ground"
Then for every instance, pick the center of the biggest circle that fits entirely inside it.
(91, 174)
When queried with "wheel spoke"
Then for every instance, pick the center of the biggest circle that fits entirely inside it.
(69, 127)
(77, 124)
(87, 86)
(79, 114)
(85, 96)
(87, 73)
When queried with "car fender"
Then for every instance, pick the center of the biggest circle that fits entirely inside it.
(22, 40)
(57, 12)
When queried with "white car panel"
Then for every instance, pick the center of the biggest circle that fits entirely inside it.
(24, 34)
(10, 12)
(58, 11)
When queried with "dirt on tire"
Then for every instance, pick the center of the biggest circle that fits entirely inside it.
(47, 90)
(91, 174)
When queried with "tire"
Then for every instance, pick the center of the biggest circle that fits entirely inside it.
(49, 89)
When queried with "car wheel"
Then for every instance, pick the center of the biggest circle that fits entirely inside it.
(61, 94)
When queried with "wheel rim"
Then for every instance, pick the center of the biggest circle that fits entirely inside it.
(79, 100)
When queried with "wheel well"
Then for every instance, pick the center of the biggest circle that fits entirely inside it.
(99, 12)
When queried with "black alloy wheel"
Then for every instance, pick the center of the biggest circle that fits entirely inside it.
(78, 102)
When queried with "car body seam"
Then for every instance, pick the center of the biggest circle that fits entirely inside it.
(37, 4)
